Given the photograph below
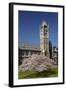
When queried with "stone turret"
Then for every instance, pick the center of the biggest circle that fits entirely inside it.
(44, 39)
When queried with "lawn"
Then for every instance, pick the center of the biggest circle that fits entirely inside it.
(34, 74)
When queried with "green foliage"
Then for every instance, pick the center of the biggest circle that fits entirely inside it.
(34, 74)
(50, 49)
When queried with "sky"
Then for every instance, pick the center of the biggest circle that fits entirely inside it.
(29, 26)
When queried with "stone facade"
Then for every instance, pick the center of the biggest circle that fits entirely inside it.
(44, 39)
(26, 52)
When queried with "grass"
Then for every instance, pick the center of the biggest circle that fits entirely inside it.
(34, 74)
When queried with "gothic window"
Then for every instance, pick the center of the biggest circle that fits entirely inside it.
(45, 26)
(45, 33)
(22, 53)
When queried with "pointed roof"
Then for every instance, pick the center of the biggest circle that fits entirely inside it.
(44, 23)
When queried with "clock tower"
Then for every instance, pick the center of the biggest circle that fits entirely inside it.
(44, 39)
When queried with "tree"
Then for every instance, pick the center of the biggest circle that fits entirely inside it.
(50, 49)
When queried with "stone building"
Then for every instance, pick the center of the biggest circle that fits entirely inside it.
(26, 50)
(44, 38)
